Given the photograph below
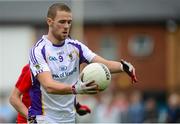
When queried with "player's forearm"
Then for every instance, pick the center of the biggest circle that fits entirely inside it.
(19, 106)
(114, 67)
(55, 87)
(52, 86)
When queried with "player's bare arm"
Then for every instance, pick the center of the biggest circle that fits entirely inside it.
(117, 67)
(114, 67)
(54, 87)
(16, 102)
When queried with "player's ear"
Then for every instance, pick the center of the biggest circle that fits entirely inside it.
(49, 21)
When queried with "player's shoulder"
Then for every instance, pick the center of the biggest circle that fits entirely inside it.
(39, 43)
(38, 46)
(73, 41)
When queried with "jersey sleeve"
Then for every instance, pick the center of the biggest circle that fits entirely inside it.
(38, 62)
(23, 83)
(86, 55)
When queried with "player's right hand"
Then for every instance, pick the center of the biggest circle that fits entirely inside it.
(85, 87)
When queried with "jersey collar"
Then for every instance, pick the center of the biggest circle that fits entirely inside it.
(50, 43)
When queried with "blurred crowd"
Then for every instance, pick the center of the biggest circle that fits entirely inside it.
(121, 107)
(115, 107)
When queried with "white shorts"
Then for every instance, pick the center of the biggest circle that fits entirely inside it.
(41, 119)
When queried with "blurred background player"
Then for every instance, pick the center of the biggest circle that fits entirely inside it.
(20, 98)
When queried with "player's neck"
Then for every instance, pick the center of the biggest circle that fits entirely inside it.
(53, 40)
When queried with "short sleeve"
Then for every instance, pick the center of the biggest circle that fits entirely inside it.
(37, 59)
(87, 53)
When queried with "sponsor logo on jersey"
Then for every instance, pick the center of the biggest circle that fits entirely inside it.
(55, 76)
(64, 74)
(63, 68)
(52, 58)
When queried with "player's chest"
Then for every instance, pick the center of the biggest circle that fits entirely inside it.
(60, 56)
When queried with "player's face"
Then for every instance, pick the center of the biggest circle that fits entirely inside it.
(61, 24)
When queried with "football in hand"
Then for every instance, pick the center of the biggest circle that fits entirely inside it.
(99, 73)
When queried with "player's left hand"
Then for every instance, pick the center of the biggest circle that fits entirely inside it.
(82, 109)
(129, 69)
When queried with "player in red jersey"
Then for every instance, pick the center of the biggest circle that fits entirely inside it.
(20, 97)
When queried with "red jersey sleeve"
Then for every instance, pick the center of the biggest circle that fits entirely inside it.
(24, 81)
